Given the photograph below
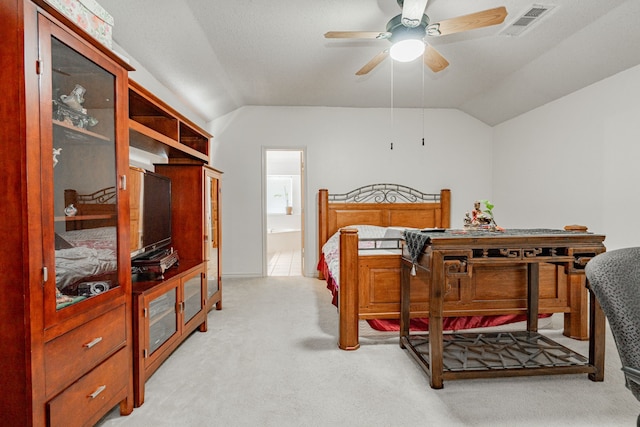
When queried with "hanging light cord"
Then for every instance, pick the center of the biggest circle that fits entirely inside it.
(392, 116)
(423, 100)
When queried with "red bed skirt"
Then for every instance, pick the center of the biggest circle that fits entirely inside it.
(451, 323)
(422, 324)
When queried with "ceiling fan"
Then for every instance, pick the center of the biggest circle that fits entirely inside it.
(408, 33)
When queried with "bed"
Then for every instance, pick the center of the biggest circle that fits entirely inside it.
(360, 258)
(86, 246)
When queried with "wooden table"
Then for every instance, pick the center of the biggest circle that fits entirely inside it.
(453, 255)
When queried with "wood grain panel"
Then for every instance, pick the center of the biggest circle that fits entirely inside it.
(94, 394)
(414, 218)
(499, 283)
(345, 218)
(81, 349)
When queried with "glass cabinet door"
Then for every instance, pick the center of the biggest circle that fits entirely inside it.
(192, 289)
(212, 234)
(79, 170)
(162, 319)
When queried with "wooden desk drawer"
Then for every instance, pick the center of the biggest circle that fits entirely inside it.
(75, 353)
(88, 399)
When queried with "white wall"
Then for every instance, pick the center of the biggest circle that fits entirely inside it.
(149, 82)
(346, 148)
(574, 161)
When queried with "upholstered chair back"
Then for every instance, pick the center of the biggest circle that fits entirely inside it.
(614, 278)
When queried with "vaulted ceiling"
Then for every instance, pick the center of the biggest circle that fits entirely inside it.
(220, 55)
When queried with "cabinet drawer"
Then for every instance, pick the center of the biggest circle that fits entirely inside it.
(88, 399)
(75, 353)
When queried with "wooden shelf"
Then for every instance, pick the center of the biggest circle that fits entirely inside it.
(79, 134)
(147, 139)
(159, 129)
(82, 217)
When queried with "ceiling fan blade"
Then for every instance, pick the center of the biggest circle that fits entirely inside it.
(485, 18)
(434, 60)
(357, 35)
(373, 63)
(412, 11)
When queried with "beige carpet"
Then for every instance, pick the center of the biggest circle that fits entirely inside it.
(270, 359)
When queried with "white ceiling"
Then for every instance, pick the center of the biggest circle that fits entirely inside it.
(220, 55)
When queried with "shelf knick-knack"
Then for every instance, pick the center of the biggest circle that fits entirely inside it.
(70, 210)
(75, 99)
(56, 153)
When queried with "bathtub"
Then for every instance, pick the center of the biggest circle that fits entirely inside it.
(283, 240)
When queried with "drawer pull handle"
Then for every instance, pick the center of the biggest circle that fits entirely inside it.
(93, 342)
(97, 392)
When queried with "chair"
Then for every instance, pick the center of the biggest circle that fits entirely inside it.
(614, 279)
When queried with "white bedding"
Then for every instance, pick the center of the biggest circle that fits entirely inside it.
(331, 249)
(93, 253)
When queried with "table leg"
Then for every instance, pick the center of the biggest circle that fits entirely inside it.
(533, 295)
(576, 321)
(405, 301)
(596, 338)
(436, 297)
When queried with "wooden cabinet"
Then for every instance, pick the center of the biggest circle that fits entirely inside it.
(167, 310)
(165, 313)
(196, 219)
(66, 326)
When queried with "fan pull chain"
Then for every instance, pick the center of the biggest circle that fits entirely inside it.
(423, 99)
(392, 116)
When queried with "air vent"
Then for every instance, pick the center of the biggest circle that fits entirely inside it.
(527, 20)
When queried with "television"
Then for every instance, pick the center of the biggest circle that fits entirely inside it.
(151, 226)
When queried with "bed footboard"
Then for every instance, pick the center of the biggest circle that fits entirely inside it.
(348, 301)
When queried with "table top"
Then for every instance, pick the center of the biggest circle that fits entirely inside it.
(418, 241)
(513, 232)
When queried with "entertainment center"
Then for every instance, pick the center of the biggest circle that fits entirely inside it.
(81, 333)
(175, 233)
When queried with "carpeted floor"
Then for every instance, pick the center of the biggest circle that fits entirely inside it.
(270, 359)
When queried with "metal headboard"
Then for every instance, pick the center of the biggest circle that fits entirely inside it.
(104, 196)
(384, 193)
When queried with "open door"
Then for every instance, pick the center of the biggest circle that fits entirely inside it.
(284, 212)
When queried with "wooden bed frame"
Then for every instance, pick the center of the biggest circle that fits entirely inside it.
(370, 284)
(374, 280)
(97, 209)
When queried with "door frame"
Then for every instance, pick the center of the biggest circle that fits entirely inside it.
(303, 203)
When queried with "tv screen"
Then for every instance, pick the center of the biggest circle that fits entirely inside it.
(154, 214)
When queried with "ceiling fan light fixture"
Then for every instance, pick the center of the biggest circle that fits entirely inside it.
(407, 50)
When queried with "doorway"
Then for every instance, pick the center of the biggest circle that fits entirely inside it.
(284, 211)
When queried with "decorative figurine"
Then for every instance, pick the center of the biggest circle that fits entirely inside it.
(70, 210)
(56, 153)
(75, 99)
(479, 219)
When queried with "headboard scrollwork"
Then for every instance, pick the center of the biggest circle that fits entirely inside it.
(384, 193)
(106, 195)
